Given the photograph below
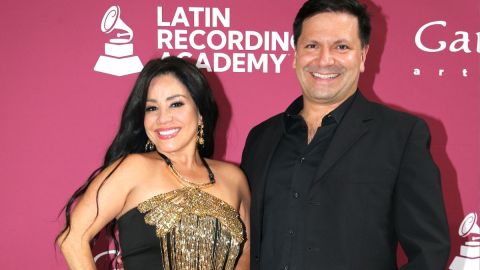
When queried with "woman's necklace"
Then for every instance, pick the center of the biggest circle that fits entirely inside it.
(185, 181)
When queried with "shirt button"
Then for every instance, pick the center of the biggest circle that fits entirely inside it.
(291, 232)
(285, 267)
(296, 195)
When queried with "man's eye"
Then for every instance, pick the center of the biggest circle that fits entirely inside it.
(343, 47)
(310, 46)
(176, 104)
(150, 108)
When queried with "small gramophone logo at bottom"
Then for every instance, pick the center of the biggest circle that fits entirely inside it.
(109, 254)
(469, 258)
(118, 59)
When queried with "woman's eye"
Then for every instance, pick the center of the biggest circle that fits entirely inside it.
(176, 104)
(150, 108)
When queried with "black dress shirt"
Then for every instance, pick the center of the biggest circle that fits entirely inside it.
(291, 172)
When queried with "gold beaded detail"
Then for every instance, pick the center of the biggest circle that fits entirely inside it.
(187, 182)
(196, 229)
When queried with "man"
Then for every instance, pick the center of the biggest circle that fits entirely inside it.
(337, 181)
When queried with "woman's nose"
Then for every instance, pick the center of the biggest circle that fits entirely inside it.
(164, 116)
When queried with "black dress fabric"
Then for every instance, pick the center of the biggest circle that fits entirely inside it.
(138, 242)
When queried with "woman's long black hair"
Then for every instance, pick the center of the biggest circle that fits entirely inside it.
(131, 137)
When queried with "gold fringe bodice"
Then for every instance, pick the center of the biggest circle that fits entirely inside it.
(196, 229)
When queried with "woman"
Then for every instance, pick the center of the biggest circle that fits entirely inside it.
(174, 208)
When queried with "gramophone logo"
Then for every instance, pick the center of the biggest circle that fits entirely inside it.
(118, 59)
(469, 258)
(107, 253)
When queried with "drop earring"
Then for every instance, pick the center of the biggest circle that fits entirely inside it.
(200, 134)
(149, 146)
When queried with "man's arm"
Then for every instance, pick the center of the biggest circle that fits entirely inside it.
(419, 213)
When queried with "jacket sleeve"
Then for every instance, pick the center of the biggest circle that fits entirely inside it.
(419, 213)
(246, 154)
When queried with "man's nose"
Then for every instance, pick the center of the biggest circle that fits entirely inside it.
(325, 57)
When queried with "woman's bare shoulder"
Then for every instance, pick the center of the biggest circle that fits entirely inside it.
(130, 167)
(228, 172)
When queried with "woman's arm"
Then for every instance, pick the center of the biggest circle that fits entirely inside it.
(101, 203)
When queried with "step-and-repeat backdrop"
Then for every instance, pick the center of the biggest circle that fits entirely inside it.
(67, 67)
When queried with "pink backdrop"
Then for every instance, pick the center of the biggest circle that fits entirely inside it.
(58, 115)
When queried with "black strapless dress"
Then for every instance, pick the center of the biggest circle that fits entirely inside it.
(183, 229)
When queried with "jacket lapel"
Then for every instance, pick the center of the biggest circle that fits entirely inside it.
(353, 126)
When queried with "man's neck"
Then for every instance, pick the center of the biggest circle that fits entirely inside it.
(313, 113)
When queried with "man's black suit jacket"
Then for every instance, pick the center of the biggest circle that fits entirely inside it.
(376, 186)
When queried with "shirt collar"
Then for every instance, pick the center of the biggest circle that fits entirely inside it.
(335, 116)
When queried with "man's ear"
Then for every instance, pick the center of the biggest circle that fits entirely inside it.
(294, 58)
(363, 57)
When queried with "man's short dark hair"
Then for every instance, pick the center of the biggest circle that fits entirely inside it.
(352, 7)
